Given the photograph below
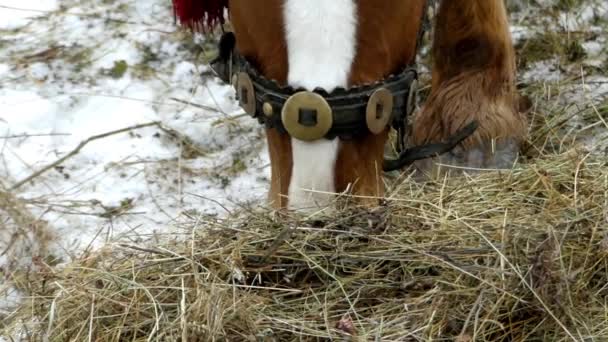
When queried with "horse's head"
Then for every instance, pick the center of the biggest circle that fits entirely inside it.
(328, 79)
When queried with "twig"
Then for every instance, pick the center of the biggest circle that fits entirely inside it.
(23, 9)
(211, 200)
(196, 105)
(146, 250)
(78, 149)
(280, 239)
(86, 15)
(18, 136)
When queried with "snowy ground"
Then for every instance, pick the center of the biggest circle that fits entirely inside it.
(70, 70)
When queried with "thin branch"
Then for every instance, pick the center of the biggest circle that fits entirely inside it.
(24, 9)
(78, 149)
(211, 200)
(86, 15)
(19, 136)
(209, 108)
(147, 250)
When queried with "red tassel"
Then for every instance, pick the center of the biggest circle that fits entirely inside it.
(200, 14)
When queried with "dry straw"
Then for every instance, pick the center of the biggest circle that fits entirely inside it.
(515, 255)
(512, 255)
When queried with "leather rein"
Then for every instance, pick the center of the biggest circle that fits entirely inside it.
(346, 114)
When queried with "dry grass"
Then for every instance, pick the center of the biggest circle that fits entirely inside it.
(22, 235)
(514, 255)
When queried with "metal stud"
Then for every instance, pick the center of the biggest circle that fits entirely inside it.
(267, 108)
(379, 110)
(307, 116)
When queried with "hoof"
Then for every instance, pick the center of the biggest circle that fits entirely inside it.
(499, 155)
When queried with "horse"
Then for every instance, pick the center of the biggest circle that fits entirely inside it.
(309, 66)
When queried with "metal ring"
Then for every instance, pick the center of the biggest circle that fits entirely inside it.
(307, 116)
(246, 93)
(379, 110)
(411, 98)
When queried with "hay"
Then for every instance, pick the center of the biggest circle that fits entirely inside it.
(517, 255)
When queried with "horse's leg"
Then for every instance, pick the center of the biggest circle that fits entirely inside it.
(386, 43)
(279, 148)
(359, 168)
(473, 79)
(267, 48)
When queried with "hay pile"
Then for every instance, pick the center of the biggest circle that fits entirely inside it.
(518, 255)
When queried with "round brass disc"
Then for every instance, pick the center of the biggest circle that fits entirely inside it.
(379, 110)
(311, 103)
(411, 99)
(246, 93)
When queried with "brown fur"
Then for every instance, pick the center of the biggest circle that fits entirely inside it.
(473, 77)
(383, 50)
(265, 46)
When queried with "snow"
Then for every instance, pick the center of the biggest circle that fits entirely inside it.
(519, 32)
(59, 85)
(16, 13)
(71, 69)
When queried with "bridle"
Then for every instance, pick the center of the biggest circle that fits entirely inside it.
(345, 114)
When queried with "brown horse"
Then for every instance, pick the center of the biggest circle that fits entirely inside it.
(335, 44)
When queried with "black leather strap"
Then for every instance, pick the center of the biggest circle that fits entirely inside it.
(412, 154)
(348, 105)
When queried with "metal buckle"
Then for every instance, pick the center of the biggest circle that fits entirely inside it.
(307, 116)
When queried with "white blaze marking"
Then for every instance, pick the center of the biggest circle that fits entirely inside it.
(321, 47)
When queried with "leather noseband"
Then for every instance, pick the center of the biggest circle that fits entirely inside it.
(343, 113)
